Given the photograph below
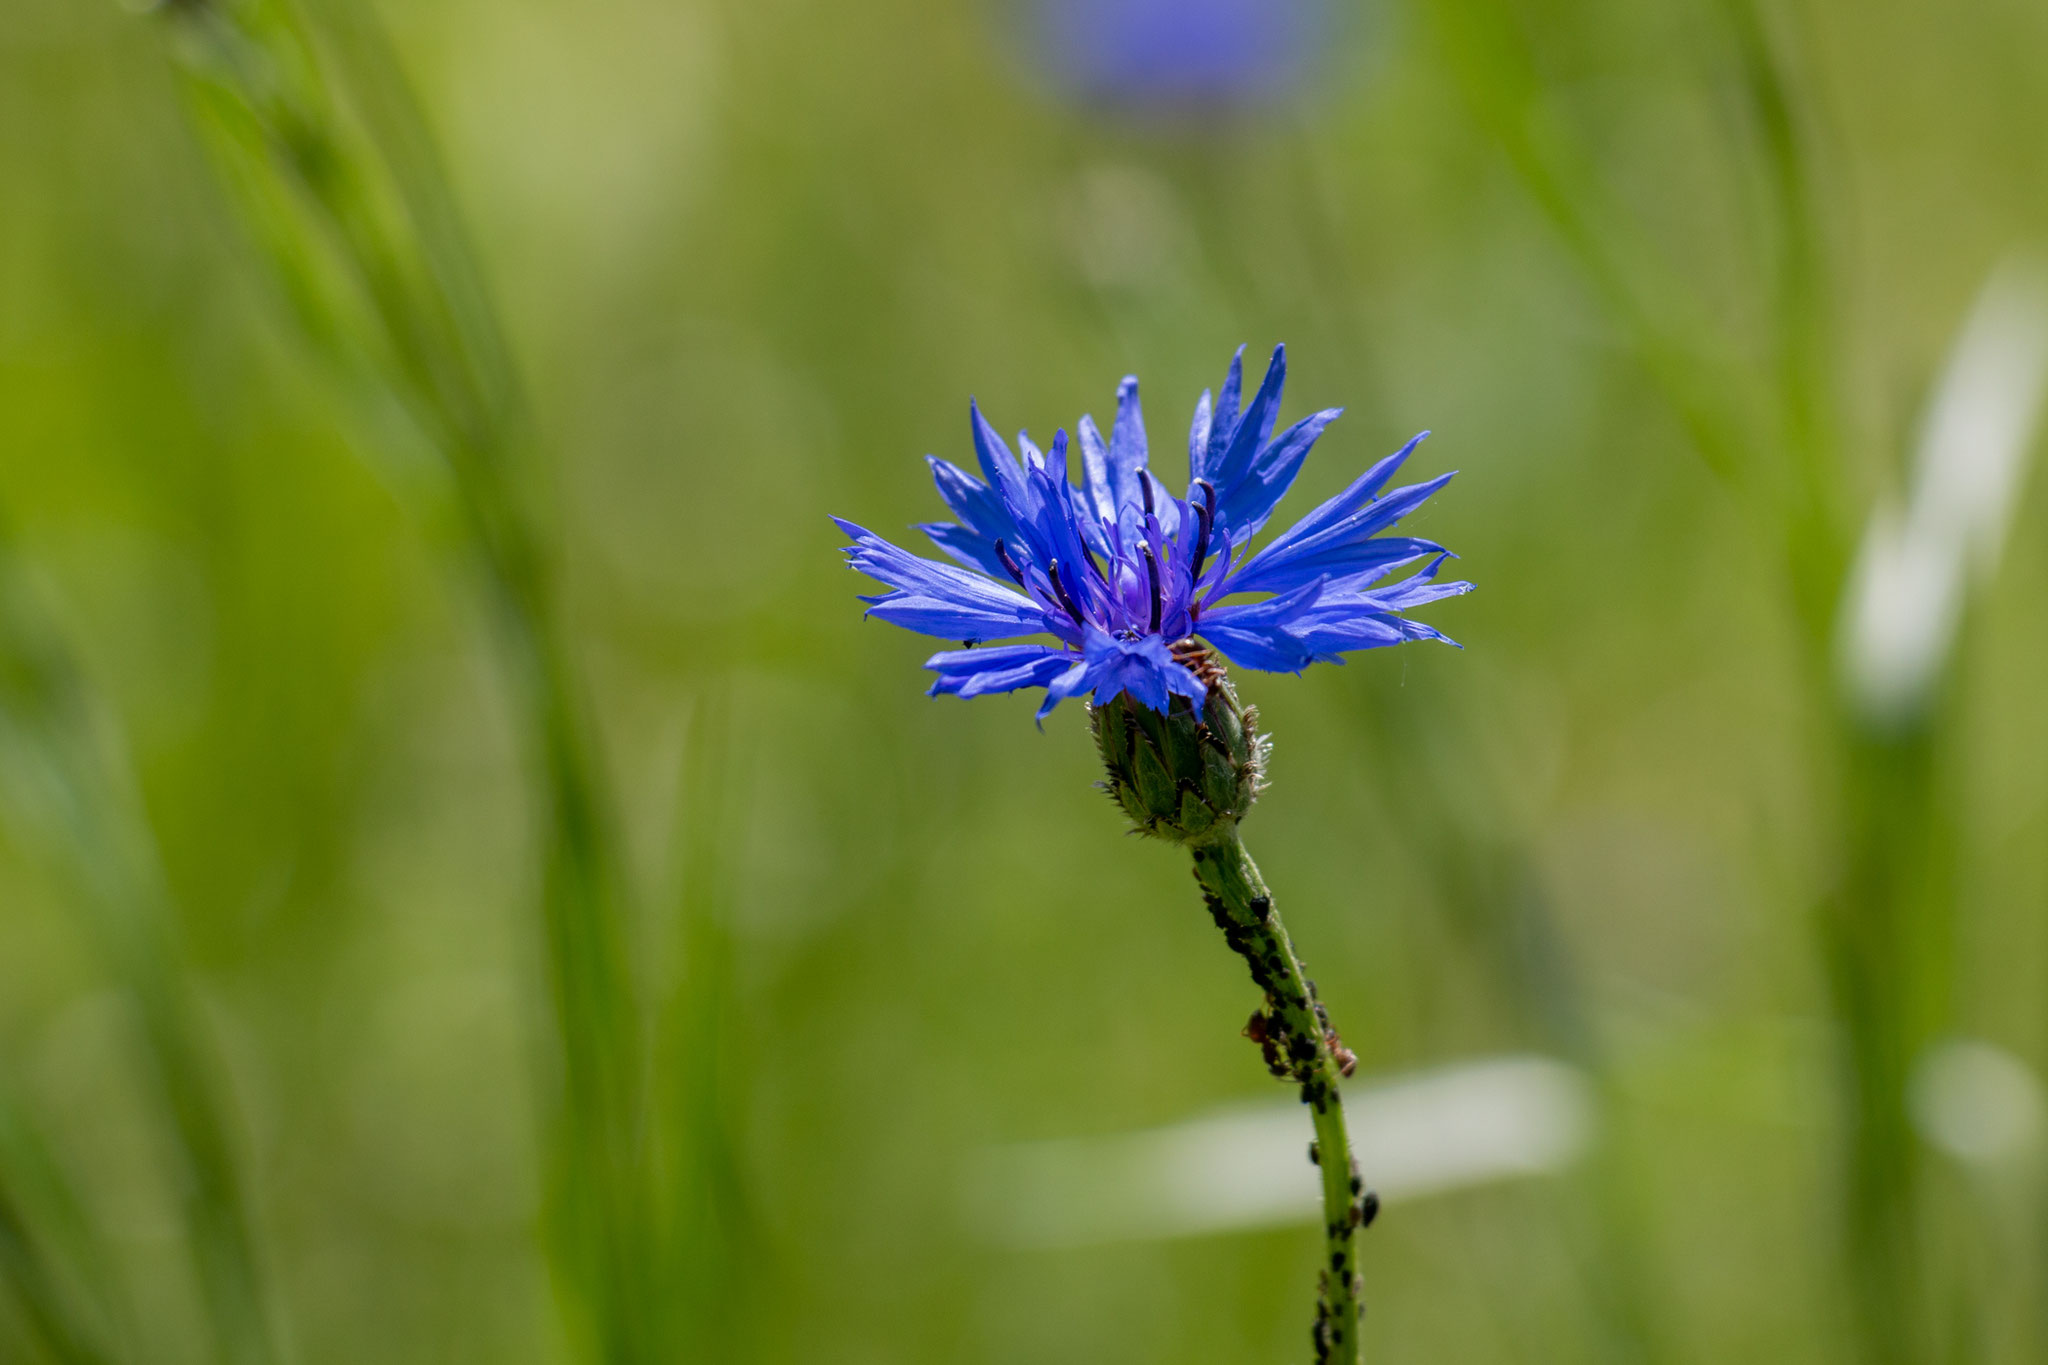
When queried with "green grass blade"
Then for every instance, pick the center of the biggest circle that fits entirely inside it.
(1714, 397)
(319, 121)
(716, 1249)
(67, 787)
(29, 1263)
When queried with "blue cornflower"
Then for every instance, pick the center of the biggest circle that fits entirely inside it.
(1182, 55)
(1131, 581)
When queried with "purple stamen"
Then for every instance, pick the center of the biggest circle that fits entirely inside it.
(1152, 576)
(1060, 591)
(1145, 489)
(1205, 516)
(1003, 553)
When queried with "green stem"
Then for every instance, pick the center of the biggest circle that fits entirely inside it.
(1307, 1050)
(1888, 931)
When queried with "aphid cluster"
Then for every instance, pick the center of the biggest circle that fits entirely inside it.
(1327, 1332)
(1289, 1056)
(1286, 1029)
(1289, 1049)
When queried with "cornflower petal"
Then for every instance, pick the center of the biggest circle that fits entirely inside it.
(1270, 650)
(1127, 452)
(1100, 487)
(998, 465)
(1362, 490)
(970, 548)
(1419, 589)
(1143, 666)
(1003, 668)
(1351, 543)
(1223, 422)
(1247, 507)
(1071, 683)
(968, 498)
(938, 599)
(1253, 429)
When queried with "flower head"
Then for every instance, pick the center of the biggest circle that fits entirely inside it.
(1128, 578)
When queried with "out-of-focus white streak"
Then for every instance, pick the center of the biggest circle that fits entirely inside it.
(1906, 591)
(1248, 1167)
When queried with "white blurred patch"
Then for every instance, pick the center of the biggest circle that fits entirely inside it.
(1906, 591)
(1977, 1102)
(1247, 1167)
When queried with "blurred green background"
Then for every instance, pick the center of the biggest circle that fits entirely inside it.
(753, 256)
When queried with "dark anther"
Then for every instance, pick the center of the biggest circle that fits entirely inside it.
(1003, 553)
(1145, 490)
(1060, 591)
(1205, 519)
(1152, 577)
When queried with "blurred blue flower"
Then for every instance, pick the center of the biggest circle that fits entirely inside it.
(1180, 53)
(1131, 580)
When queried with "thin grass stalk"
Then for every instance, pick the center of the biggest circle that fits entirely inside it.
(44, 1234)
(715, 1251)
(1883, 926)
(1714, 400)
(1887, 931)
(50, 1317)
(1504, 915)
(361, 223)
(68, 785)
(1817, 549)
